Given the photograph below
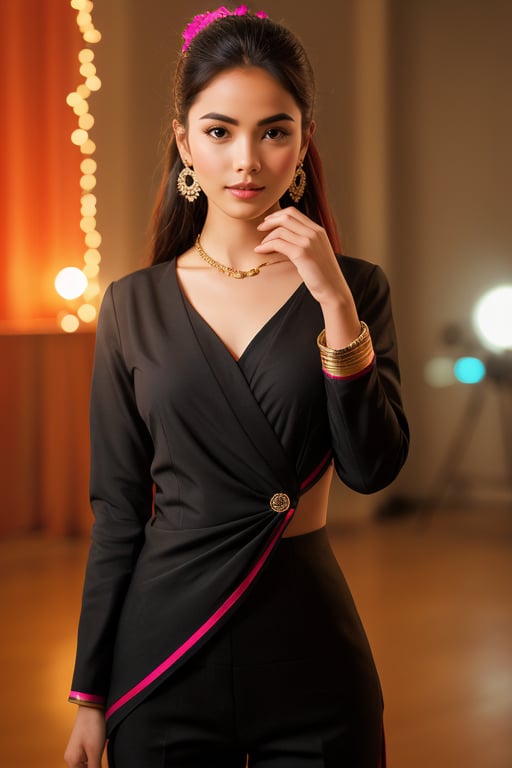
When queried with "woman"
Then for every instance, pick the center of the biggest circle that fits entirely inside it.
(230, 377)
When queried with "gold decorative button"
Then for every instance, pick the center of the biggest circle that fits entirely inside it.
(280, 502)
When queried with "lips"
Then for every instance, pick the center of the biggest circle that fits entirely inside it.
(245, 191)
(245, 187)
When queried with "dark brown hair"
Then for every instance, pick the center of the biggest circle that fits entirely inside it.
(228, 43)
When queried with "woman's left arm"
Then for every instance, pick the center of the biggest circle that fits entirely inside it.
(369, 430)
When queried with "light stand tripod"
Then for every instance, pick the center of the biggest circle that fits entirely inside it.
(499, 375)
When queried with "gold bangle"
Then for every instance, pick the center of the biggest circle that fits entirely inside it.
(88, 704)
(364, 334)
(349, 360)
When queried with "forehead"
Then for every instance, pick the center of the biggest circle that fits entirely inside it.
(244, 92)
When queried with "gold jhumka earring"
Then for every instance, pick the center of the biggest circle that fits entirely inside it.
(298, 185)
(188, 185)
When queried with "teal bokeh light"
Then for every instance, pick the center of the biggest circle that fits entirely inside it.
(469, 370)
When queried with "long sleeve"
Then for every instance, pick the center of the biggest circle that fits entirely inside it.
(369, 431)
(121, 500)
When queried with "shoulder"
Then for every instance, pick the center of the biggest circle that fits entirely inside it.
(144, 285)
(138, 294)
(143, 278)
(354, 268)
(362, 275)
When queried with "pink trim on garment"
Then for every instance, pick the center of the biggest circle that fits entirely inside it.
(86, 697)
(316, 471)
(206, 627)
(353, 376)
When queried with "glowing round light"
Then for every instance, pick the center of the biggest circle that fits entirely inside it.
(91, 270)
(439, 372)
(92, 256)
(469, 370)
(93, 83)
(88, 182)
(69, 323)
(81, 109)
(88, 210)
(86, 121)
(84, 19)
(88, 224)
(92, 36)
(88, 207)
(70, 283)
(79, 137)
(86, 55)
(492, 318)
(88, 166)
(72, 99)
(93, 290)
(88, 69)
(83, 91)
(93, 239)
(88, 147)
(87, 313)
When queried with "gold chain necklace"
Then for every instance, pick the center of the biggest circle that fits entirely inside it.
(238, 274)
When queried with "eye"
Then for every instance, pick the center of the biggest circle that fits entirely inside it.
(217, 132)
(275, 133)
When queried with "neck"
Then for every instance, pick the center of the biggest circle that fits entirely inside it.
(232, 241)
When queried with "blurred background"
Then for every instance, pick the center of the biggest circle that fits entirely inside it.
(414, 123)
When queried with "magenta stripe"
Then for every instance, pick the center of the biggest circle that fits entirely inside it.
(206, 627)
(90, 697)
(353, 376)
(316, 471)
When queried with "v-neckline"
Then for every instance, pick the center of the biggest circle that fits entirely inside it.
(270, 321)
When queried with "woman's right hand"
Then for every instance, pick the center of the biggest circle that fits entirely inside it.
(87, 741)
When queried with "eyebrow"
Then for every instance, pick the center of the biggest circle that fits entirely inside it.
(266, 120)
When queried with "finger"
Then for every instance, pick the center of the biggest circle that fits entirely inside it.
(75, 757)
(93, 758)
(291, 211)
(292, 229)
(286, 216)
(301, 237)
(285, 247)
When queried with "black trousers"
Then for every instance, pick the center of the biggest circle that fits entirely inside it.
(288, 682)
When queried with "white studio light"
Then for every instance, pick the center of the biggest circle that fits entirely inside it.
(492, 319)
(70, 283)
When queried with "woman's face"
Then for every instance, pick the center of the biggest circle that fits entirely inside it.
(244, 139)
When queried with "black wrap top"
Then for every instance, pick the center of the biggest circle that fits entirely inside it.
(198, 462)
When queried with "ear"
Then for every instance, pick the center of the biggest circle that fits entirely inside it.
(180, 135)
(307, 138)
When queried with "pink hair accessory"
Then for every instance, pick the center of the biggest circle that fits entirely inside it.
(203, 20)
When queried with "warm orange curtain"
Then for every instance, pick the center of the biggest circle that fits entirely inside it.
(44, 376)
(40, 192)
(44, 436)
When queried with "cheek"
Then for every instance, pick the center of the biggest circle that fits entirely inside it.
(286, 162)
(206, 162)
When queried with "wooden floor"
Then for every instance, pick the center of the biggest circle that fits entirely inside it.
(436, 600)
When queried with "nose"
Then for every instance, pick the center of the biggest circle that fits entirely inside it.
(246, 156)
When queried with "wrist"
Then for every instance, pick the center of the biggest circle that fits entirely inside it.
(341, 322)
(90, 714)
(336, 303)
(87, 700)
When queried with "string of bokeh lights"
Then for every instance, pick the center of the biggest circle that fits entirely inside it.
(80, 286)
